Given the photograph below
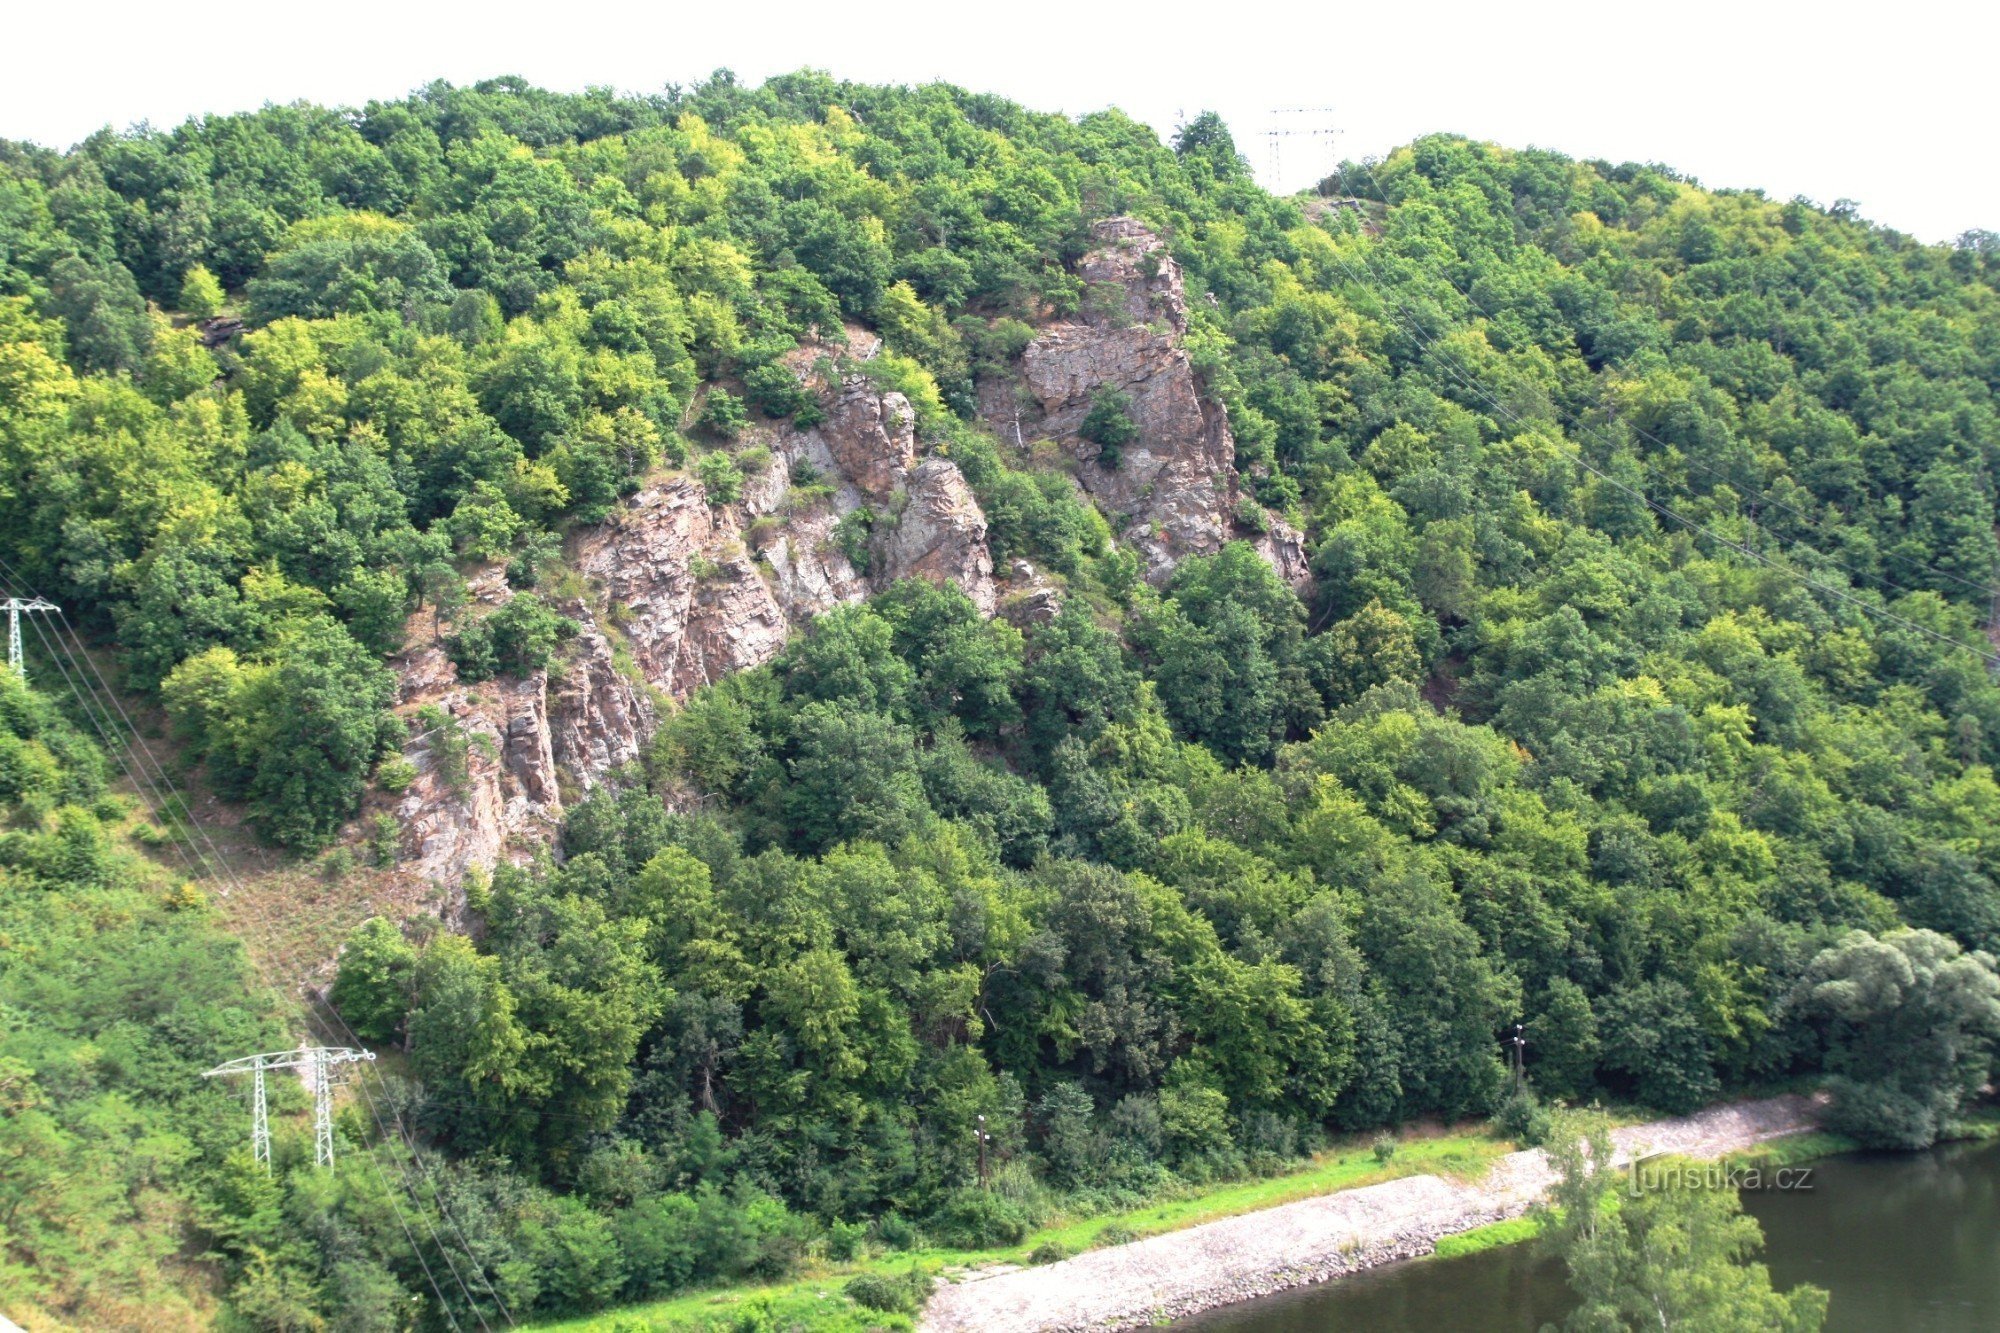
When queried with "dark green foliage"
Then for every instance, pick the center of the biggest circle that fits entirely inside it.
(521, 637)
(1109, 425)
(1912, 1022)
(974, 1219)
(722, 412)
(1161, 888)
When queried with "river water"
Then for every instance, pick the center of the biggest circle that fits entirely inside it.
(1904, 1242)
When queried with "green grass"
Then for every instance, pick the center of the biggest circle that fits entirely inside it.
(1510, 1232)
(817, 1305)
(814, 1301)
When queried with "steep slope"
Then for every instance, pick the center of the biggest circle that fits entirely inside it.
(677, 593)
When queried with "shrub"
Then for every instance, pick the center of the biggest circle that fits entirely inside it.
(1523, 1118)
(1109, 425)
(1049, 1252)
(385, 840)
(201, 295)
(1384, 1148)
(972, 1219)
(519, 638)
(1114, 1233)
(775, 391)
(852, 533)
(723, 413)
(892, 1294)
(894, 1231)
(844, 1240)
(1250, 515)
(395, 774)
(719, 477)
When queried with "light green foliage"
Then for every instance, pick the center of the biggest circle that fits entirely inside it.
(201, 295)
(1913, 1021)
(1676, 1253)
(120, 990)
(1231, 866)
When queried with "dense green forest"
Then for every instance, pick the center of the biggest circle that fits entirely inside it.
(1643, 693)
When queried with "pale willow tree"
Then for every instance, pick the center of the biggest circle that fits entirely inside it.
(1912, 1023)
(1675, 1256)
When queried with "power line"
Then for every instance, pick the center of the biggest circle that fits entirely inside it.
(347, 1032)
(143, 782)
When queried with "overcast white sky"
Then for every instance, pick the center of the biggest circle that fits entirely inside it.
(1893, 110)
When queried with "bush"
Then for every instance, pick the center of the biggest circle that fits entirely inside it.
(1250, 515)
(201, 295)
(519, 638)
(719, 477)
(894, 1231)
(775, 391)
(1114, 1233)
(723, 414)
(852, 533)
(1109, 426)
(844, 1241)
(1523, 1118)
(395, 774)
(1383, 1148)
(385, 841)
(1049, 1252)
(891, 1294)
(972, 1219)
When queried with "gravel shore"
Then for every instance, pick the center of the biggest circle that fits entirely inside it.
(1238, 1258)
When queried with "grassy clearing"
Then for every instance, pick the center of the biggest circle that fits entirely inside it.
(815, 1301)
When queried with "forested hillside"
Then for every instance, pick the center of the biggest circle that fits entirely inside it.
(1635, 657)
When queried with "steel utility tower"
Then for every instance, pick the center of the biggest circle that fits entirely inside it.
(1279, 132)
(15, 606)
(320, 1062)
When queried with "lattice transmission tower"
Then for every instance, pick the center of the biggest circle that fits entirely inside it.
(1321, 138)
(320, 1064)
(15, 606)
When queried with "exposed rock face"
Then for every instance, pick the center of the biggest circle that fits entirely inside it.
(1284, 549)
(688, 598)
(504, 801)
(872, 436)
(941, 534)
(680, 593)
(1174, 489)
(685, 601)
(599, 715)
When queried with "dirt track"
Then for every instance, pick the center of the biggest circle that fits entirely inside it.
(1176, 1274)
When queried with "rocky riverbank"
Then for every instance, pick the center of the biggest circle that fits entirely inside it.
(1240, 1258)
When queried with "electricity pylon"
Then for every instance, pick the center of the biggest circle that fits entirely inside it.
(321, 1062)
(1278, 133)
(15, 606)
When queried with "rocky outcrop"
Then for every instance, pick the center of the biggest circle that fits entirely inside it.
(678, 592)
(487, 785)
(600, 713)
(872, 437)
(941, 534)
(1173, 491)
